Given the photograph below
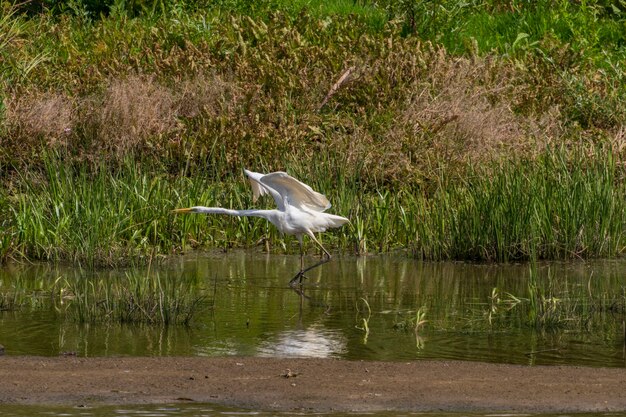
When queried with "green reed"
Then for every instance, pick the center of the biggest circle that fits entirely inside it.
(553, 303)
(554, 208)
(133, 298)
(6, 231)
(557, 206)
(97, 216)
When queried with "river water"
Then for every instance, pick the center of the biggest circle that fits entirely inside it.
(355, 308)
(351, 308)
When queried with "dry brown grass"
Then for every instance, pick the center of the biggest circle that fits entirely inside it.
(406, 111)
(35, 116)
(209, 95)
(135, 114)
(461, 116)
(140, 114)
(132, 114)
(452, 111)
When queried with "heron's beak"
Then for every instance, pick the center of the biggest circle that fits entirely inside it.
(181, 210)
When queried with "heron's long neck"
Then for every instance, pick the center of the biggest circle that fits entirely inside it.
(271, 215)
(243, 213)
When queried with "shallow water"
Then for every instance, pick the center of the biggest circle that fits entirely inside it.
(250, 310)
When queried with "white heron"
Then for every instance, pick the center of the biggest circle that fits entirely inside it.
(300, 211)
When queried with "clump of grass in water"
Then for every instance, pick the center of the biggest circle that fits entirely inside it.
(545, 309)
(9, 301)
(414, 323)
(552, 305)
(135, 298)
(499, 304)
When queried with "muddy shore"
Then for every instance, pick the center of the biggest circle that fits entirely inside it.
(311, 384)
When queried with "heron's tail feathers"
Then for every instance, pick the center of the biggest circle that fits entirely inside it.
(335, 221)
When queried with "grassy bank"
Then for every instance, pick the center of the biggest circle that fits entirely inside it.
(451, 130)
(546, 208)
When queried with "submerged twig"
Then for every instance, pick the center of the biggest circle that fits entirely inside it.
(214, 289)
(536, 352)
(365, 327)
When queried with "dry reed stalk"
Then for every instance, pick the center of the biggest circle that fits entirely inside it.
(341, 81)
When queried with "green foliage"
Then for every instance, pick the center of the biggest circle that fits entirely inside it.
(263, 71)
(134, 298)
(432, 142)
(554, 207)
(553, 304)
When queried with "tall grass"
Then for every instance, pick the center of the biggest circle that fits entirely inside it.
(134, 298)
(96, 217)
(173, 102)
(552, 208)
(552, 303)
(559, 206)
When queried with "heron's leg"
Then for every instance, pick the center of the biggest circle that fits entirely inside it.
(300, 274)
(325, 259)
(301, 255)
(297, 279)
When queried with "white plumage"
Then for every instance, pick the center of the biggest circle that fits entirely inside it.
(301, 210)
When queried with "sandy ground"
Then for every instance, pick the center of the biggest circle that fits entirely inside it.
(311, 384)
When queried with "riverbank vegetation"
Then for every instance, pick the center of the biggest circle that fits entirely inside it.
(480, 130)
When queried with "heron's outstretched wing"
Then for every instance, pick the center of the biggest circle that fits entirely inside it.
(259, 189)
(255, 182)
(297, 193)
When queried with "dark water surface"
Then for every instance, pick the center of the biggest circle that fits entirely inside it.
(351, 308)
